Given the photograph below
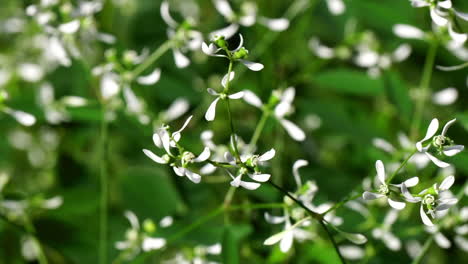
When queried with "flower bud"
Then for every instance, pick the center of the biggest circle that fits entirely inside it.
(149, 226)
(220, 41)
(242, 53)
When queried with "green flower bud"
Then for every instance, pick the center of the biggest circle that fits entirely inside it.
(149, 226)
(220, 41)
(242, 53)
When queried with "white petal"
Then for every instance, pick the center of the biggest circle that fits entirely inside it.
(57, 51)
(157, 140)
(453, 150)
(180, 59)
(179, 171)
(411, 182)
(166, 221)
(166, 15)
(431, 130)
(70, 27)
(410, 198)
(252, 99)
(209, 50)
(461, 15)
(208, 169)
(436, 161)
(288, 95)
(74, 101)
(379, 167)
(441, 240)
(151, 78)
(165, 140)
(371, 196)
(134, 104)
(402, 52)
(293, 130)
(150, 243)
(31, 72)
(282, 109)
(274, 239)
(408, 31)
(383, 145)
(424, 217)
(253, 66)
(227, 32)
(267, 155)
(224, 80)
(194, 177)
(211, 112)
(109, 86)
(224, 8)
(274, 219)
(235, 96)
(352, 252)
(295, 170)
(260, 177)
(241, 43)
(236, 181)
(446, 96)
(25, 119)
(366, 58)
(179, 107)
(447, 126)
(437, 19)
(203, 156)
(447, 183)
(459, 38)
(286, 241)
(447, 4)
(353, 237)
(275, 24)
(132, 218)
(320, 50)
(250, 185)
(446, 204)
(395, 204)
(154, 157)
(212, 92)
(336, 7)
(391, 241)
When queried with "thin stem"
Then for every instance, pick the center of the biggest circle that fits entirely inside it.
(259, 128)
(401, 166)
(151, 59)
(332, 239)
(231, 123)
(423, 252)
(342, 202)
(423, 87)
(104, 190)
(227, 202)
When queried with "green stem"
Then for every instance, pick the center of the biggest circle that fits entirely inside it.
(32, 232)
(423, 87)
(332, 239)
(423, 252)
(401, 166)
(342, 202)
(259, 129)
(104, 190)
(151, 59)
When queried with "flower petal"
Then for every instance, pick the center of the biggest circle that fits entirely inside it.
(396, 205)
(295, 170)
(431, 130)
(274, 239)
(176, 135)
(252, 99)
(453, 150)
(379, 167)
(237, 95)
(287, 241)
(209, 50)
(424, 217)
(151, 243)
(446, 96)
(447, 183)
(224, 8)
(401, 53)
(253, 66)
(154, 157)
(408, 31)
(227, 32)
(151, 78)
(166, 15)
(446, 204)
(267, 155)
(441, 240)
(408, 196)
(70, 27)
(275, 24)
(437, 19)
(336, 7)
(132, 218)
(179, 171)
(260, 177)
(203, 156)
(293, 130)
(180, 59)
(447, 126)
(436, 161)
(194, 177)
(211, 112)
(250, 185)
(274, 219)
(224, 80)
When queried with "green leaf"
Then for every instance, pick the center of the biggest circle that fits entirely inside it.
(349, 82)
(232, 237)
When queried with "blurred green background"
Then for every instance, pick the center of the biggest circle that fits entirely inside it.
(352, 107)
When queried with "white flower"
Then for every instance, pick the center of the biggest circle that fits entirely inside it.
(246, 17)
(186, 39)
(432, 199)
(179, 107)
(281, 109)
(383, 232)
(211, 112)
(384, 188)
(442, 143)
(163, 138)
(212, 50)
(137, 240)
